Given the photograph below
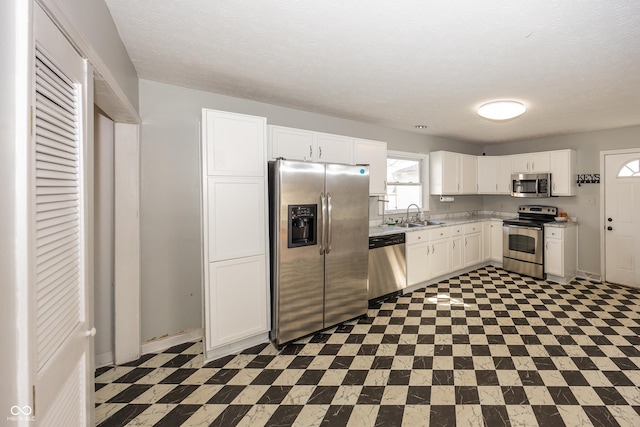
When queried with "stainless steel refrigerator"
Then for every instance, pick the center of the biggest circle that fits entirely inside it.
(319, 226)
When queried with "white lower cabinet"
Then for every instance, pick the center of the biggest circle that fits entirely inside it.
(440, 255)
(236, 298)
(428, 254)
(560, 253)
(457, 247)
(417, 250)
(439, 251)
(492, 240)
(457, 253)
(472, 244)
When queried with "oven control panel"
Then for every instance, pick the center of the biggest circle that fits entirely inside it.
(538, 209)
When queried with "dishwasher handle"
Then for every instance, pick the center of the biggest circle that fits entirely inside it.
(386, 240)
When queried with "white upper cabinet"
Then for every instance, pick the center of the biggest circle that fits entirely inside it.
(531, 162)
(334, 149)
(453, 173)
(291, 144)
(487, 174)
(235, 144)
(374, 154)
(494, 175)
(563, 173)
(468, 174)
(309, 146)
(504, 175)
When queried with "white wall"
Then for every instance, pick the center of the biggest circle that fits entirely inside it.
(93, 20)
(103, 238)
(588, 147)
(170, 221)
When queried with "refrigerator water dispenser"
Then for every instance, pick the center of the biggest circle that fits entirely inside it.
(303, 225)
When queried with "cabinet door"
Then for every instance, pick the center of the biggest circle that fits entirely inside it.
(451, 173)
(487, 174)
(553, 257)
(334, 149)
(496, 240)
(236, 217)
(468, 174)
(291, 144)
(373, 153)
(439, 258)
(472, 249)
(563, 171)
(236, 300)
(486, 240)
(234, 144)
(540, 162)
(520, 163)
(457, 253)
(504, 175)
(417, 263)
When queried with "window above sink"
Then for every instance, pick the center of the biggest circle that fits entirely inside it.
(407, 182)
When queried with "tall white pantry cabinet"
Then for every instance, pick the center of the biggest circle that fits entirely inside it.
(234, 224)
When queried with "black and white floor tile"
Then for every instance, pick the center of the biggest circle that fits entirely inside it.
(487, 348)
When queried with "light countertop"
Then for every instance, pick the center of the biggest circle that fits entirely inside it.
(381, 230)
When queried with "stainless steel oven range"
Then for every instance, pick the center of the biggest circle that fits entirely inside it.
(523, 237)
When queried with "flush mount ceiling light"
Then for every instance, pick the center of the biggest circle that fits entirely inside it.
(501, 110)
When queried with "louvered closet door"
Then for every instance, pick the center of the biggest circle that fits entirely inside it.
(61, 339)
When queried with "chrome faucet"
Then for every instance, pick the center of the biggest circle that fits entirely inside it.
(417, 215)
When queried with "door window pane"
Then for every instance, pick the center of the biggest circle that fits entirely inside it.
(630, 169)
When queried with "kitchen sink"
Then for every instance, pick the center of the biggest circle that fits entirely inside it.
(426, 222)
(419, 223)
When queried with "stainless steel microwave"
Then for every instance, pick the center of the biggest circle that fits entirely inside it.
(531, 185)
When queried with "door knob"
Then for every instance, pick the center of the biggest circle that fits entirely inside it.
(609, 228)
(609, 219)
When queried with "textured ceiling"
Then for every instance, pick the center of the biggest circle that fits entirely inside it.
(574, 64)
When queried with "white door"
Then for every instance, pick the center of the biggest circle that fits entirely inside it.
(61, 360)
(622, 218)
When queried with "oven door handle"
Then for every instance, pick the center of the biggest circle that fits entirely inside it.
(524, 226)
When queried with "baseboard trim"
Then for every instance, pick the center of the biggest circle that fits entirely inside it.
(593, 277)
(160, 344)
(104, 359)
(225, 350)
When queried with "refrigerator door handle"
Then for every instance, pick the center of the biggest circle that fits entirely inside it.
(329, 230)
(323, 213)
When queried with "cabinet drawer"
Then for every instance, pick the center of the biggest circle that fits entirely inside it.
(457, 230)
(440, 233)
(417, 237)
(553, 233)
(476, 227)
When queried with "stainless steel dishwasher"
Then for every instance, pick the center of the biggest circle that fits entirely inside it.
(387, 265)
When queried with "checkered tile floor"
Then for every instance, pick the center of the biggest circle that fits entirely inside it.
(485, 348)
